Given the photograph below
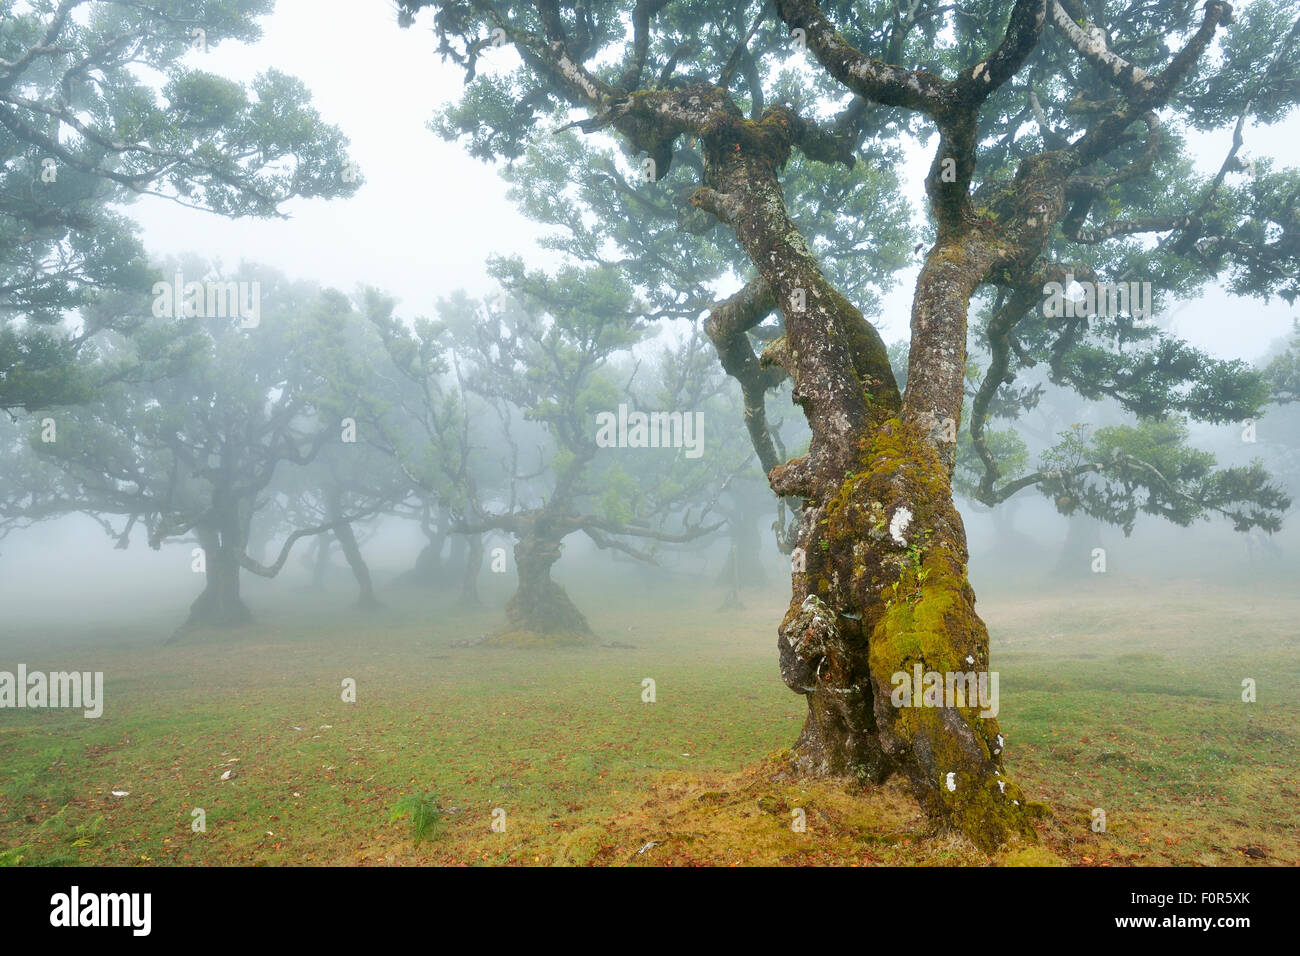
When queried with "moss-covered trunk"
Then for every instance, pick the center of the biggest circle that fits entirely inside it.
(883, 603)
(884, 600)
(879, 586)
(540, 611)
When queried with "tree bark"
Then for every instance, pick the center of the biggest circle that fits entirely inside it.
(348, 543)
(883, 584)
(220, 604)
(540, 611)
(321, 561)
(473, 567)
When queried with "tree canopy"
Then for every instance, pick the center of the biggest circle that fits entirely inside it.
(104, 102)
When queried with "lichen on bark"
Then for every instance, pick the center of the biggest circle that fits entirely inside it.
(877, 597)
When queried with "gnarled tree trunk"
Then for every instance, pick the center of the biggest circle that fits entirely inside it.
(220, 604)
(540, 611)
(427, 570)
(348, 543)
(879, 586)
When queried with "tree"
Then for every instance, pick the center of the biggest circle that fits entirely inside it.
(193, 456)
(1058, 135)
(538, 363)
(346, 479)
(424, 426)
(83, 130)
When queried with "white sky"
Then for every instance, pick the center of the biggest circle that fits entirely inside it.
(428, 216)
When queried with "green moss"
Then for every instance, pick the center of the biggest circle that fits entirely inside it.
(1030, 856)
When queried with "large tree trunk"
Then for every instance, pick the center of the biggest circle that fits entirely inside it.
(348, 542)
(220, 604)
(883, 586)
(540, 610)
(885, 592)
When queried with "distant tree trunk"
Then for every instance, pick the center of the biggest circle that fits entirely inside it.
(730, 579)
(428, 566)
(1010, 546)
(540, 610)
(220, 604)
(457, 557)
(1003, 517)
(743, 567)
(1082, 535)
(348, 542)
(321, 560)
(427, 571)
(473, 566)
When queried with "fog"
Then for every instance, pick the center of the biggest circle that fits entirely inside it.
(491, 365)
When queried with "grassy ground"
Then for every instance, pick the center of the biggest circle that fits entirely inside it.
(1114, 696)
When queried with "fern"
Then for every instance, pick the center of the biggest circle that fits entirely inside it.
(423, 812)
(15, 855)
(87, 833)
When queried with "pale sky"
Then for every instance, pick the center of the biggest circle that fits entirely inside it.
(428, 215)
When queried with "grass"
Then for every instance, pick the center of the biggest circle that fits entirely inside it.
(1115, 697)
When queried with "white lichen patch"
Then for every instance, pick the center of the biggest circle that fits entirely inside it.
(898, 524)
(951, 782)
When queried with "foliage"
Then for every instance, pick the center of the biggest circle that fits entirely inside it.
(422, 811)
(99, 105)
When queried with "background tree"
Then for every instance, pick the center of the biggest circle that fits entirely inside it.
(344, 480)
(426, 426)
(539, 361)
(84, 129)
(194, 455)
